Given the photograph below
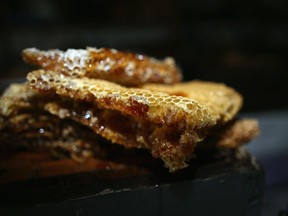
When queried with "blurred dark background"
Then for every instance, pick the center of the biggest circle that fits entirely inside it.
(241, 43)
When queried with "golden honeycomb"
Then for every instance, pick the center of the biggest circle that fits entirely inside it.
(168, 125)
(109, 64)
(223, 100)
(148, 105)
(129, 99)
(175, 145)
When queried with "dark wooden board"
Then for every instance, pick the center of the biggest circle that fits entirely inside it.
(217, 182)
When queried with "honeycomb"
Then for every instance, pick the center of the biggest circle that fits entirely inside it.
(121, 67)
(237, 133)
(168, 125)
(15, 97)
(223, 100)
(157, 107)
(22, 109)
(23, 125)
(130, 99)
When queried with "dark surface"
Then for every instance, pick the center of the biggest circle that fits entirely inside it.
(218, 182)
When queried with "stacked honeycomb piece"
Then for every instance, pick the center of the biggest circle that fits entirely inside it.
(129, 99)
